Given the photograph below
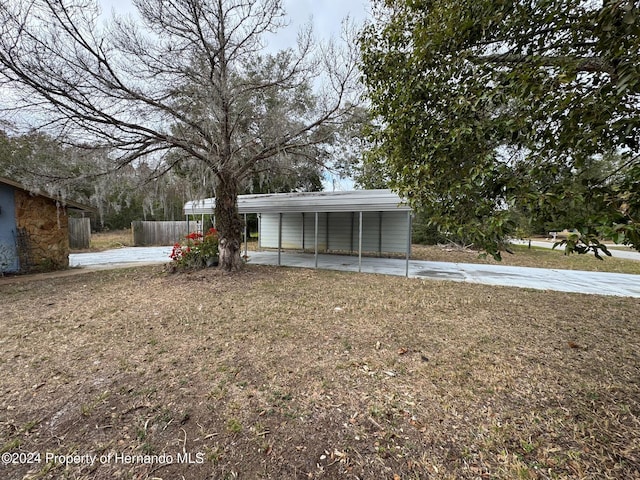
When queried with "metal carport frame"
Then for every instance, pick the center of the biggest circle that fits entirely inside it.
(356, 201)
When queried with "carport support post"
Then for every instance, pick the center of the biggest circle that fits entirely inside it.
(279, 237)
(246, 237)
(316, 241)
(379, 234)
(408, 242)
(259, 218)
(360, 245)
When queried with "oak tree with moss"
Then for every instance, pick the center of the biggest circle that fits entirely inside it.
(186, 76)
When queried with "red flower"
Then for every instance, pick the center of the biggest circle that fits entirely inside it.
(196, 250)
(176, 252)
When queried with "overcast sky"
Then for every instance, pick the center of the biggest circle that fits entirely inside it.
(327, 17)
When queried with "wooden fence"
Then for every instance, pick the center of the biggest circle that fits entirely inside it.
(79, 233)
(159, 233)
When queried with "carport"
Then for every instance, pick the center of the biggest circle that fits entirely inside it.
(366, 221)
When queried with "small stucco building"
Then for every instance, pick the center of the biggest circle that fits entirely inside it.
(34, 229)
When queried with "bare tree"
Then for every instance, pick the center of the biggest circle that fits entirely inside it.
(184, 76)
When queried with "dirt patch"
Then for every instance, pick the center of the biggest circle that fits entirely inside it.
(293, 373)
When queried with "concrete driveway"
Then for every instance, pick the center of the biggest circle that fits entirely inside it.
(575, 281)
(121, 257)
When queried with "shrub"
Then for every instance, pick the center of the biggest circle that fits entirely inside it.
(197, 251)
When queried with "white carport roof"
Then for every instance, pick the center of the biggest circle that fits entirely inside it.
(351, 201)
(314, 202)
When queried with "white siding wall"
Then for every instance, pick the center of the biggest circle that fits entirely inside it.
(395, 232)
(291, 230)
(343, 230)
(309, 229)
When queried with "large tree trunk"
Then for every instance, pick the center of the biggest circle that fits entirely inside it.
(228, 223)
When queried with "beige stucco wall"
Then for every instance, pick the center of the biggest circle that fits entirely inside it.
(47, 229)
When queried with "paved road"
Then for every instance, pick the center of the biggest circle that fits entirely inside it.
(536, 278)
(626, 253)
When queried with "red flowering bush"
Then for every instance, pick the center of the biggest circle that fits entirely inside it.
(198, 251)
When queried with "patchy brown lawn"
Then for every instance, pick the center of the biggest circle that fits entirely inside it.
(299, 374)
(108, 240)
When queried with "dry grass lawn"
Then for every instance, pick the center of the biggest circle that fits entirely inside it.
(111, 239)
(298, 374)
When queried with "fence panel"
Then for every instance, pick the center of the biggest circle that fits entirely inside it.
(158, 233)
(79, 233)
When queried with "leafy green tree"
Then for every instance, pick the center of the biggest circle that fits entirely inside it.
(489, 108)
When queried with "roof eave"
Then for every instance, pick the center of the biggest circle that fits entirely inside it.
(308, 202)
(70, 204)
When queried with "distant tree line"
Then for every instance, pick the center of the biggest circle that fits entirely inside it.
(136, 191)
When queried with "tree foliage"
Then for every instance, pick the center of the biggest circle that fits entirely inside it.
(488, 107)
(187, 77)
